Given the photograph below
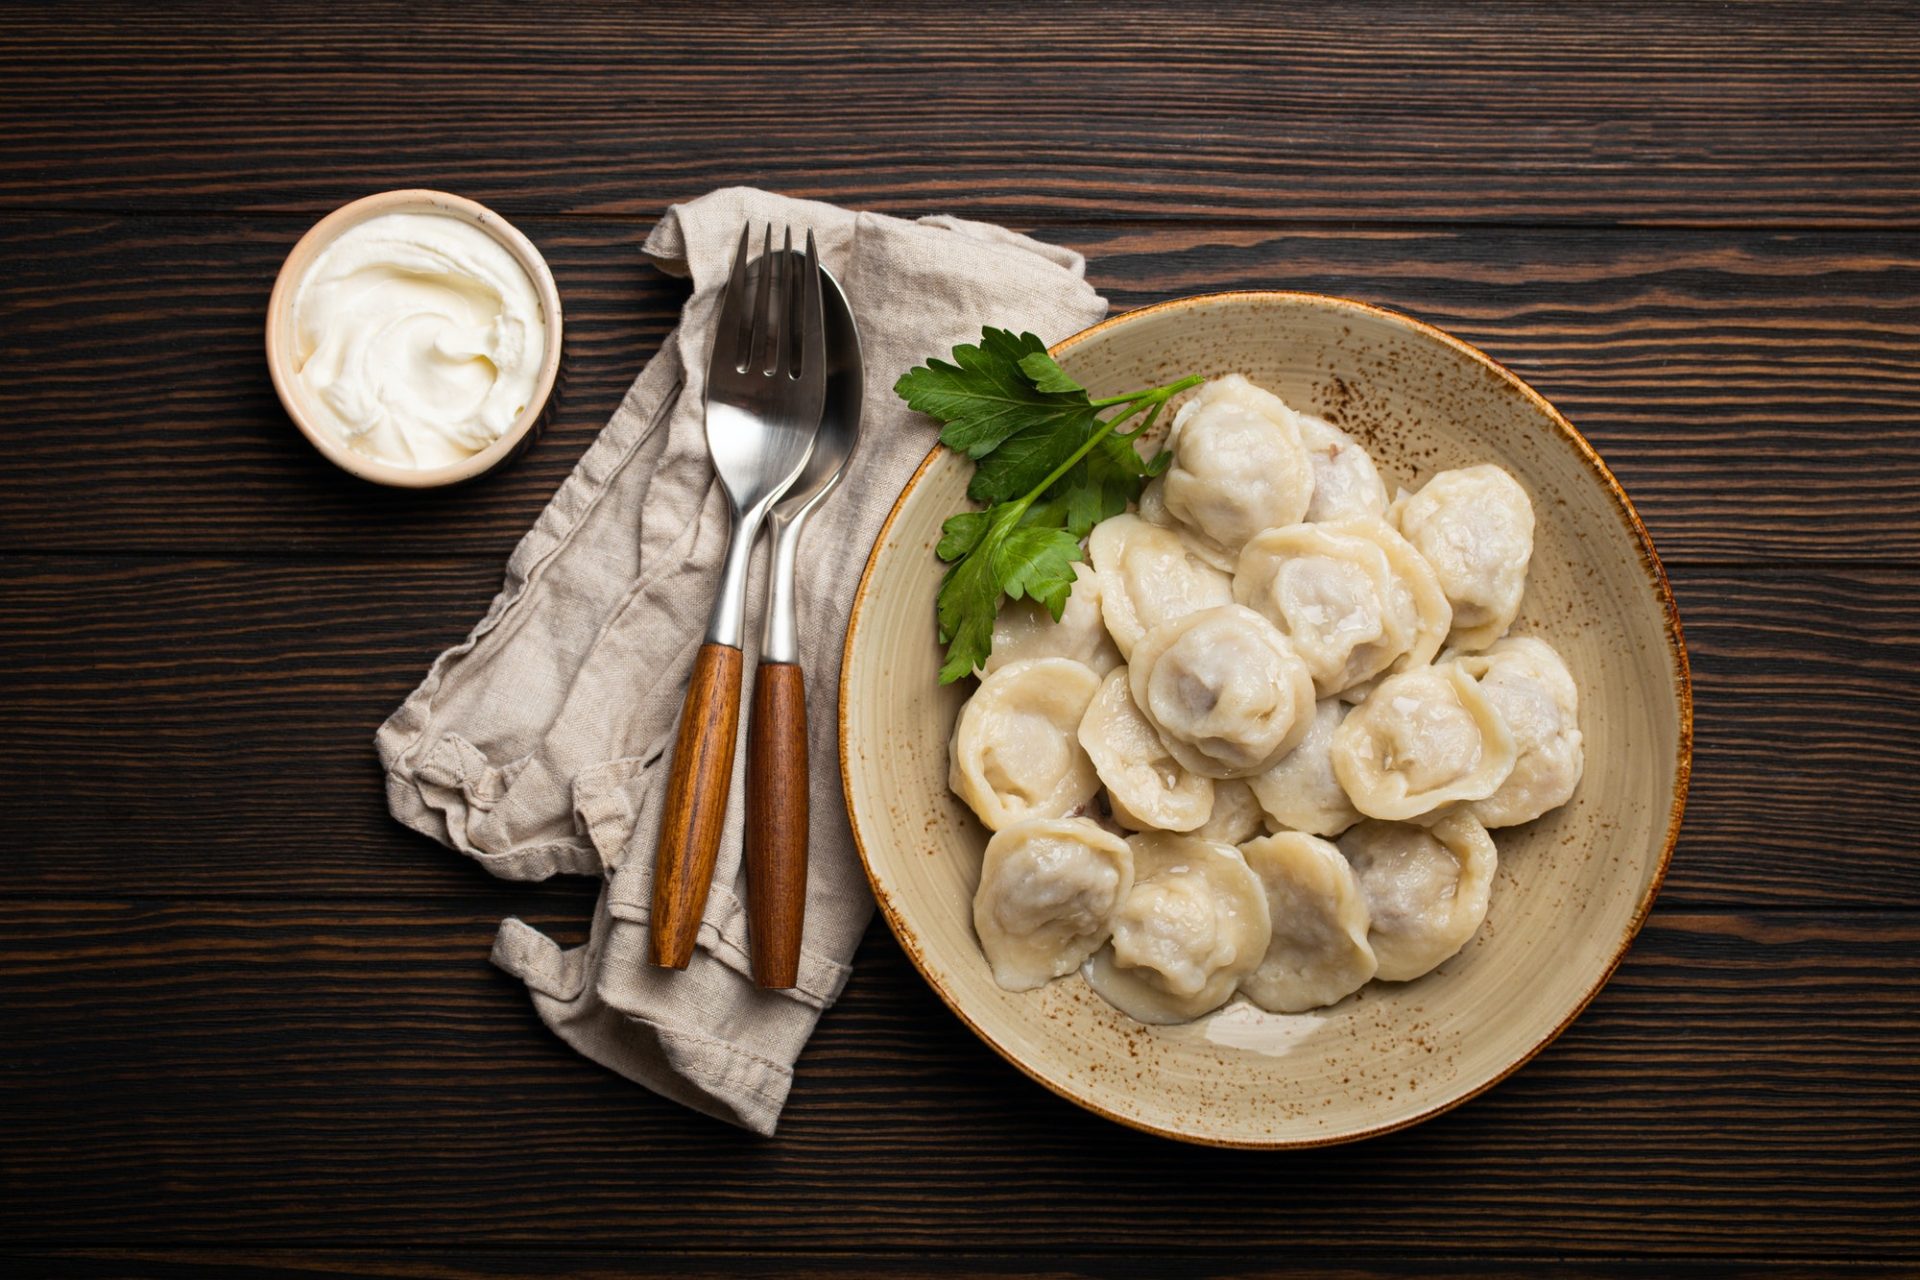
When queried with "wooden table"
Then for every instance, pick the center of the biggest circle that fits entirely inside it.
(249, 1020)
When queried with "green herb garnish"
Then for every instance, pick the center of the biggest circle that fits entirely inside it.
(1047, 467)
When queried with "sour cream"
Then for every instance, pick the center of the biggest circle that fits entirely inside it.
(417, 339)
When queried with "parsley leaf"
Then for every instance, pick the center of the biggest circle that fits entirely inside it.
(1029, 455)
(1047, 465)
(985, 395)
(1047, 375)
(961, 533)
(1012, 560)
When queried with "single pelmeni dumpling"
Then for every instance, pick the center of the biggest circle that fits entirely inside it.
(1153, 505)
(1346, 484)
(1194, 925)
(1426, 889)
(1475, 527)
(1238, 466)
(1529, 685)
(1226, 691)
(1149, 575)
(1415, 599)
(1236, 815)
(1319, 954)
(1301, 793)
(1422, 740)
(1333, 594)
(1146, 786)
(1016, 751)
(1026, 630)
(1048, 891)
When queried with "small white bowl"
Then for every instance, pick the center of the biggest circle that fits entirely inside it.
(280, 363)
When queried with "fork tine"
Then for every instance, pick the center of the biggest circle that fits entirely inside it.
(813, 321)
(764, 293)
(731, 330)
(789, 305)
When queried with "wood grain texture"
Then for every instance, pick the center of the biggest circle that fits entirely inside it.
(776, 848)
(1754, 114)
(474, 1264)
(695, 810)
(1755, 393)
(280, 1072)
(249, 1022)
(127, 682)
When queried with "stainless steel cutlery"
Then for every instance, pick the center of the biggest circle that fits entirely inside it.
(766, 388)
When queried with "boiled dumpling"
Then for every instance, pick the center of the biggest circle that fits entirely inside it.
(1048, 891)
(1426, 889)
(1226, 691)
(1016, 750)
(1415, 598)
(1148, 576)
(1026, 630)
(1238, 466)
(1346, 484)
(1153, 506)
(1146, 786)
(1422, 740)
(1475, 527)
(1301, 793)
(1531, 688)
(1319, 954)
(1236, 815)
(1333, 594)
(1194, 925)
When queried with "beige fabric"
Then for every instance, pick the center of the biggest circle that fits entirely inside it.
(539, 745)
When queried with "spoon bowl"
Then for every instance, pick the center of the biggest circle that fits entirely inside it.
(832, 447)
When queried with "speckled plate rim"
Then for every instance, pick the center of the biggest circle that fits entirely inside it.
(1676, 652)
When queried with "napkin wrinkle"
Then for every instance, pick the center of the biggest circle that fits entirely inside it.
(540, 745)
(707, 1074)
(608, 802)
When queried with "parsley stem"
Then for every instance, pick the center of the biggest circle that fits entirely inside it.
(1162, 394)
(1073, 459)
(1140, 400)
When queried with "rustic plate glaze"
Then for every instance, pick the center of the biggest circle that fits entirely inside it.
(1573, 887)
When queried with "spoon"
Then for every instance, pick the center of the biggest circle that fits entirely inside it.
(777, 778)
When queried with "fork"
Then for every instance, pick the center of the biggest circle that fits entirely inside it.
(766, 388)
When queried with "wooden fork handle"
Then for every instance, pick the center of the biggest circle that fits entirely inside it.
(777, 822)
(696, 803)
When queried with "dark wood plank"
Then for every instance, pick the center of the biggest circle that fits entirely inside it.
(282, 1072)
(1764, 113)
(1050, 1264)
(204, 713)
(1755, 393)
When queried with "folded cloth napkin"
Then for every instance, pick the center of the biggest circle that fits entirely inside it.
(540, 744)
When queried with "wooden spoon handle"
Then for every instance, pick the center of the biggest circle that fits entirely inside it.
(696, 810)
(777, 822)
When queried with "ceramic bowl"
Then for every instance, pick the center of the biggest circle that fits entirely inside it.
(282, 366)
(1572, 888)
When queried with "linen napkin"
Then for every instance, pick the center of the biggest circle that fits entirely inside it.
(540, 745)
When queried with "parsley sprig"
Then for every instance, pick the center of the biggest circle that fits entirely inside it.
(1047, 467)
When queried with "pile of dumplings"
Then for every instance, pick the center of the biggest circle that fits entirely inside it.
(1266, 656)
